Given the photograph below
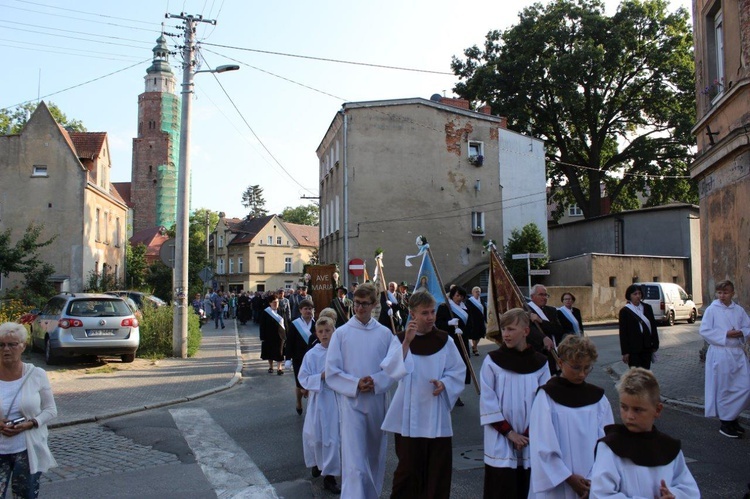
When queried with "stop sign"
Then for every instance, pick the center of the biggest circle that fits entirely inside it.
(356, 267)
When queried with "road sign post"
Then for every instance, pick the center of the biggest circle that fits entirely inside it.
(529, 272)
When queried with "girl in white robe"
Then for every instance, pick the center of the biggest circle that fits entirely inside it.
(726, 327)
(321, 439)
(567, 419)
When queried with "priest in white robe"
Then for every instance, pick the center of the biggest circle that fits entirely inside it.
(364, 359)
(420, 413)
(726, 328)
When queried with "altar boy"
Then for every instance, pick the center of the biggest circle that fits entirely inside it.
(420, 413)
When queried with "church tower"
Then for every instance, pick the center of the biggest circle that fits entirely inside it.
(156, 149)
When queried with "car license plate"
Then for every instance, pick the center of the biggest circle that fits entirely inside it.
(100, 332)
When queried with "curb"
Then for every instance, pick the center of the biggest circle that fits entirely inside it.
(236, 378)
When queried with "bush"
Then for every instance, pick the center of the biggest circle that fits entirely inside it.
(156, 333)
(12, 310)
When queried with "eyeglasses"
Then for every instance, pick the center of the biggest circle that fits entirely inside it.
(578, 369)
(363, 304)
(543, 294)
(9, 345)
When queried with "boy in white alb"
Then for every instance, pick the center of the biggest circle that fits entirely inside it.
(510, 376)
(726, 328)
(567, 419)
(635, 459)
(420, 413)
(364, 359)
(321, 439)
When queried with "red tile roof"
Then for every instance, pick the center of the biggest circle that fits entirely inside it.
(123, 192)
(88, 145)
(152, 238)
(306, 235)
(246, 229)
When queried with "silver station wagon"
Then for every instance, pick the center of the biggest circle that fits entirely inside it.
(73, 324)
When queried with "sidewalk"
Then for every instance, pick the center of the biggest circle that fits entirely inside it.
(90, 392)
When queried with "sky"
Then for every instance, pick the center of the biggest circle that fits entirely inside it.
(264, 125)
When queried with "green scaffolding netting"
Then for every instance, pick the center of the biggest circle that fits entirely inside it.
(166, 195)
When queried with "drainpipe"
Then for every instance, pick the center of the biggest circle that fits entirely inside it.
(346, 204)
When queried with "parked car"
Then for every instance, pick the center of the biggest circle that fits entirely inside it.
(140, 298)
(73, 324)
(669, 301)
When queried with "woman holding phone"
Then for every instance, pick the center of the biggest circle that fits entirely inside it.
(27, 406)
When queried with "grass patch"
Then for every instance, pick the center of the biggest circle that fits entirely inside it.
(106, 369)
(156, 333)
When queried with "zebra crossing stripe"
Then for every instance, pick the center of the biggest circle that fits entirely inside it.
(225, 464)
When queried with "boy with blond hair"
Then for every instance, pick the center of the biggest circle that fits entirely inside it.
(510, 376)
(635, 459)
(567, 419)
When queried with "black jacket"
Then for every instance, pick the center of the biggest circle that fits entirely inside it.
(565, 323)
(632, 339)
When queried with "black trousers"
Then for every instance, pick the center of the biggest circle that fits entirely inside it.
(640, 359)
(424, 468)
(506, 483)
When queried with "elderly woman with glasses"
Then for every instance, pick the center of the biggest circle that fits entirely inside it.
(27, 406)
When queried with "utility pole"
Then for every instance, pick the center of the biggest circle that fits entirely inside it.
(180, 277)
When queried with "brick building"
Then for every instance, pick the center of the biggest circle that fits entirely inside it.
(153, 190)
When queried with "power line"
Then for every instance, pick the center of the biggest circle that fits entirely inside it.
(76, 18)
(80, 84)
(67, 37)
(326, 59)
(629, 174)
(253, 131)
(109, 55)
(85, 12)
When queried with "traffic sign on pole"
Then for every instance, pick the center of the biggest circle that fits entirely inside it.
(520, 256)
(539, 272)
(356, 267)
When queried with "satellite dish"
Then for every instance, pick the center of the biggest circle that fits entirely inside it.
(436, 97)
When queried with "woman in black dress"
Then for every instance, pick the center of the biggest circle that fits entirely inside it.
(272, 335)
(444, 319)
(477, 317)
(569, 316)
(638, 336)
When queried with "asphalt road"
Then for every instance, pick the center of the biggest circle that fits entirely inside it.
(236, 443)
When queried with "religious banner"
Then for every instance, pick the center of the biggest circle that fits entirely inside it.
(321, 285)
(502, 294)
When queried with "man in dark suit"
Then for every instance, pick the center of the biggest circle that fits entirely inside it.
(343, 307)
(545, 331)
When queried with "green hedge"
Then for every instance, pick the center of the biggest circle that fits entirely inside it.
(156, 332)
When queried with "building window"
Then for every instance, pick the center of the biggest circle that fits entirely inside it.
(239, 265)
(221, 241)
(287, 264)
(477, 222)
(117, 232)
(575, 211)
(278, 240)
(715, 53)
(106, 226)
(336, 227)
(270, 240)
(231, 265)
(220, 266)
(96, 225)
(612, 281)
(476, 153)
(39, 171)
(261, 265)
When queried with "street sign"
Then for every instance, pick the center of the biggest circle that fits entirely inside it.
(524, 256)
(539, 272)
(166, 253)
(356, 267)
(205, 274)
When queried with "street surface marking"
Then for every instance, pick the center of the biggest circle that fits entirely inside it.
(227, 467)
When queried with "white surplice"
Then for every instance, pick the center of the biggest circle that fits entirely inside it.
(562, 441)
(506, 396)
(321, 434)
(358, 350)
(619, 478)
(415, 412)
(727, 389)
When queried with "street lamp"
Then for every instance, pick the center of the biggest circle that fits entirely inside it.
(182, 236)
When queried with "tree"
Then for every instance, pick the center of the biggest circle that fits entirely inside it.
(23, 257)
(528, 240)
(612, 97)
(136, 266)
(253, 198)
(12, 120)
(305, 214)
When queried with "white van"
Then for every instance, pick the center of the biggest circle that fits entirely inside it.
(669, 301)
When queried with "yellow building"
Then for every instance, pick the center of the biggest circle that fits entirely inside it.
(261, 253)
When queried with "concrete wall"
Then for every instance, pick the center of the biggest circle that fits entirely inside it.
(608, 276)
(523, 178)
